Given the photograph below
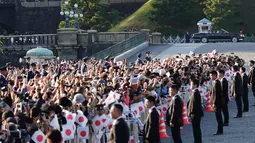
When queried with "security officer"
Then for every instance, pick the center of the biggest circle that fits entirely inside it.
(32, 72)
(148, 57)
(44, 69)
(84, 66)
(107, 62)
(3, 74)
(138, 60)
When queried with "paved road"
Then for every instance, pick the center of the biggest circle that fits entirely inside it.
(239, 130)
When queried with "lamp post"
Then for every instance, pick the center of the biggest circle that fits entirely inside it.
(71, 14)
(77, 16)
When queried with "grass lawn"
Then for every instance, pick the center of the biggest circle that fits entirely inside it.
(138, 20)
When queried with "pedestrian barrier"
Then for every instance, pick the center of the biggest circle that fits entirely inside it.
(208, 104)
(184, 114)
(162, 127)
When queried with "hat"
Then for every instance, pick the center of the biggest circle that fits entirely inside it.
(33, 64)
(251, 61)
(78, 98)
(45, 64)
(3, 68)
(85, 58)
(148, 52)
(139, 55)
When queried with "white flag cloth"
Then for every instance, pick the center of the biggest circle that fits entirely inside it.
(131, 139)
(54, 122)
(83, 132)
(68, 131)
(97, 123)
(39, 137)
(109, 123)
(70, 117)
(112, 97)
(134, 108)
(163, 108)
(119, 63)
(81, 119)
(140, 106)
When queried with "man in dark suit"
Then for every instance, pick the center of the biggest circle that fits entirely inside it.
(251, 79)
(174, 114)
(237, 90)
(148, 57)
(224, 94)
(217, 101)
(195, 111)
(120, 130)
(3, 74)
(151, 126)
(245, 89)
(32, 72)
(44, 69)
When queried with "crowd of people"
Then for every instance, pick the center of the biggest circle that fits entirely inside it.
(53, 101)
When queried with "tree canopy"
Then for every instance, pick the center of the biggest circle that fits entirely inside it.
(96, 15)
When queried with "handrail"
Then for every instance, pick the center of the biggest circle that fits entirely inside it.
(122, 46)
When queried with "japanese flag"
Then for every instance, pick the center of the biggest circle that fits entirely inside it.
(112, 97)
(81, 119)
(70, 117)
(68, 131)
(141, 107)
(162, 108)
(131, 139)
(97, 123)
(125, 108)
(39, 137)
(154, 93)
(109, 123)
(54, 122)
(83, 132)
(119, 63)
(104, 120)
(135, 109)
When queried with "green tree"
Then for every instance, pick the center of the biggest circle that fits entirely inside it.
(176, 16)
(233, 15)
(96, 15)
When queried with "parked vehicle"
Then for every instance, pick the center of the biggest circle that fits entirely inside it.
(219, 36)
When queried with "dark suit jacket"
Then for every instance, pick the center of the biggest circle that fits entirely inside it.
(245, 83)
(174, 112)
(151, 127)
(194, 105)
(237, 86)
(251, 78)
(224, 89)
(3, 81)
(119, 132)
(217, 97)
(30, 75)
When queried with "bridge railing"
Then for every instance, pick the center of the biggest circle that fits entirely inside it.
(7, 1)
(28, 41)
(122, 46)
(116, 37)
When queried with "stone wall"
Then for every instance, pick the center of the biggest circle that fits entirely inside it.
(39, 20)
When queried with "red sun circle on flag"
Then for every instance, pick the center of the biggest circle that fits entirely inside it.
(97, 123)
(189, 90)
(132, 141)
(80, 119)
(164, 109)
(201, 91)
(39, 138)
(140, 108)
(62, 139)
(114, 96)
(227, 74)
(103, 120)
(205, 82)
(83, 133)
(68, 132)
(69, 117)
(110, 126)
(135, 112)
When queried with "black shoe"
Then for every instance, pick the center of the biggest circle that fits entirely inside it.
(238, 117)
(218, 133)
(225, 124)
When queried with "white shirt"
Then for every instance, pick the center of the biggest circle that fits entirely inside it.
(150, 110)
(114, 122)
(194, 90)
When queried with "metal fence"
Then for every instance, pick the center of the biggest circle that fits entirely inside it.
(249, 38)
(173, 39)
(122, 46)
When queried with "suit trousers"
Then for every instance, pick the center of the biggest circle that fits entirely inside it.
(196, 129)
(225, 113)
(239, 105)
(176, 134)
(219, 119)
(245, 100)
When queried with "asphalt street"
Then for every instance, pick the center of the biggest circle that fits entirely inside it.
(239, 130)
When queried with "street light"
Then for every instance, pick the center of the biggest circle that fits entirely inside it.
(71, 14)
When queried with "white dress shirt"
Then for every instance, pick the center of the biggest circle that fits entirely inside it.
(114, 122)
(150, 110)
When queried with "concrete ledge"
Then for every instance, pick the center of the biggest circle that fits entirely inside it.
(131, 52)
